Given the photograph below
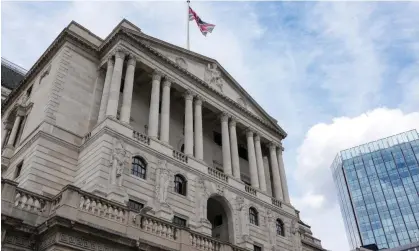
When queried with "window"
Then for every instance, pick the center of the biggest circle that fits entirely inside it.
(256, 248)
(18, 169)
(139, 167)
(280, 227)
(253, 216)
(19, 131)
(6, 139)
(179, 221)
(217, 138)
(182, 148)
(29, 91)
(218, 221)
(180, 184)
(135, 206)
(242, 152)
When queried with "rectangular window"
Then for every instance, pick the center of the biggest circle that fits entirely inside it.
(18, 169)
(179, 221)
(256, 248)
(135, 206)
(29, 91)
(217, 138)
(19, 131)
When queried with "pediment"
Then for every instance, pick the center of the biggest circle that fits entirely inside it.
(207, 69)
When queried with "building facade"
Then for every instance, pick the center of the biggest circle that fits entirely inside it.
(131, 143)
(378, 190)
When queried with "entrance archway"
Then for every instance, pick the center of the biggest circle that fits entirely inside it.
(220, 216)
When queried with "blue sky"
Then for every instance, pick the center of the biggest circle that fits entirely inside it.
(333, 74)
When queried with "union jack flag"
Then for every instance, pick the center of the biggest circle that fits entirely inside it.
(203, 27)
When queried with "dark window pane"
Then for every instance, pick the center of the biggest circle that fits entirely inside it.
(135, 206)
(179, 221)
(139, 167)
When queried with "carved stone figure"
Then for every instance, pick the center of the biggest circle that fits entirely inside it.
(182, 63)
(202, 197)
(119, 160)
(213, 76)
(295, 236)
(163, 181)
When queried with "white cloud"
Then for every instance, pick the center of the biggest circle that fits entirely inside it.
(315, 155)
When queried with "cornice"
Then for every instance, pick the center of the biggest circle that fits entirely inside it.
(126, 36)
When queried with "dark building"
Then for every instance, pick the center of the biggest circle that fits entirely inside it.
(11, 76)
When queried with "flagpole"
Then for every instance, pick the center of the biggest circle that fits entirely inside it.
(187, 27)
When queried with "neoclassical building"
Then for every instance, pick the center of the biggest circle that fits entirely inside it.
(132, 143)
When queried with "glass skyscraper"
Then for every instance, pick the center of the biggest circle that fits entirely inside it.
(378, 191)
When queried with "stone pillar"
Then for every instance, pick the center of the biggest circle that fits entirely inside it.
(225, 144)
(199, 148)
(113, 99)
(188, 124)
(153, 118)
(277, 187)
(282, 175)
(15, 128)
(128, 87)
(106, 89)
(259, 160)
(254, 179)
(165, 111)
(234, 149)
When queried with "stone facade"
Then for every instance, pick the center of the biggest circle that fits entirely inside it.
(131, 143)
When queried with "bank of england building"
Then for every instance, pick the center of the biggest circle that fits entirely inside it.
(132, 143)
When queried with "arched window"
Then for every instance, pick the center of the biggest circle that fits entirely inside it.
(280, 227)
(253, 216)
(180, 184)
(139, 167)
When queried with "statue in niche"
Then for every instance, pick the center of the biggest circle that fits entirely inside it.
(119, 160)
(213, 76)
(202, 197)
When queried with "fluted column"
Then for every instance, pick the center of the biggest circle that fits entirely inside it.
(199, 150)
(234, 149)
(153, 118)
(15, 128)
(165, 110)
(225, 144)
(277, 187)
(282, 175)
(112, 108)
(106, 89)
(254, 179)
(188, 124)
(259, 160)
(128, 87)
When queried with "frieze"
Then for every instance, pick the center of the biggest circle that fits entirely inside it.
(19, 240)
(80, 242)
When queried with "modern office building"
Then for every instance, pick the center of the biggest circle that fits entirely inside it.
(11, 76)
(132, 143)
(378, 190)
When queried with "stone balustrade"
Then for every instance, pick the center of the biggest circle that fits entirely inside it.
(141, 137)
(217, 174)
(203, 242)
(180, 156)
(250, 190)
(159, 227)
(102, 207)
(55, 203)
(311, 239)
(29, 201)
(276, 202)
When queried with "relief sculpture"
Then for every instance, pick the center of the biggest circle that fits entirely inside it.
(213, 76)
(296, 236)
(118, 163)
(163, 181)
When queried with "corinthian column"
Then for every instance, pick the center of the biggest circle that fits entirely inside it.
(153, 118)
(188, 124)
(254, 179)
(225, 144)
(115, 84)
(165, 111)
(259, 160)
(128, 87)
(275, 172)
(282, 175)
(106, 89)
(234, 149)
(199, 151)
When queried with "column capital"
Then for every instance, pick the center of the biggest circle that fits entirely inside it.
(120, 53)
(273, 146)
(280, 148)
(198, 100)
(110, 61)
(224, 117)
(157, 75)
(233, 121)
(249, 132)
(188, 95)
(257, 137)
(132, 60)
(167, 82)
